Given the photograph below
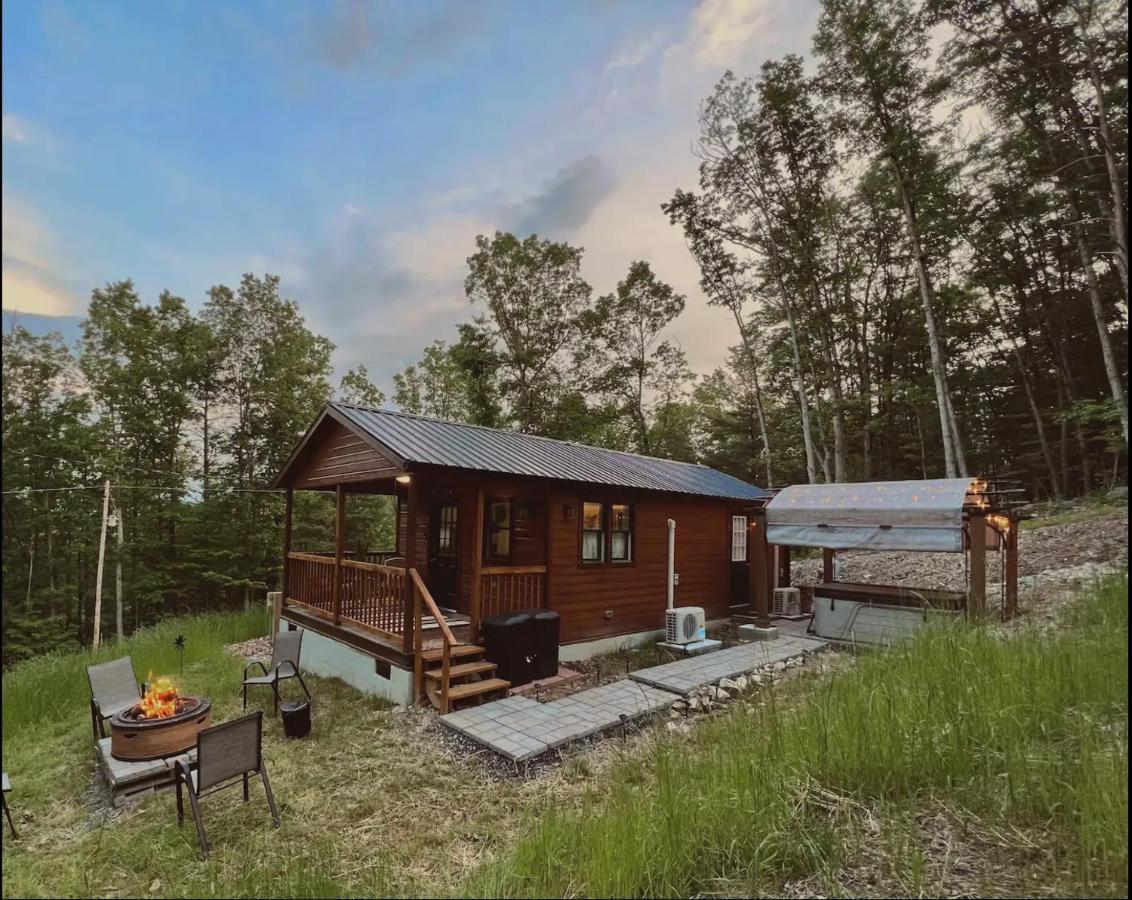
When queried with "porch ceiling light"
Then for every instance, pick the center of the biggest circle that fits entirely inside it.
(403, 479)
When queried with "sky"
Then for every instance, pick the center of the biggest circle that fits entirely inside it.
(356, 149)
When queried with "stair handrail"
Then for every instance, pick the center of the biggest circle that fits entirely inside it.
(420, 593)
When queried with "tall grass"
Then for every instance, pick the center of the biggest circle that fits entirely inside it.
(1030, 731)
(52, 687)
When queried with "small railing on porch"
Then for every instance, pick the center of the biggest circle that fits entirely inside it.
(505, 589)
(376, 557)
(370, 596)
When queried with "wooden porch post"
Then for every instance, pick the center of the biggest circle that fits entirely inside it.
(412, 495)
(289, 511)
(977, 547)
(339, 547)
(1011, 538)
(758, 566)
(477, 566)
(827, 565)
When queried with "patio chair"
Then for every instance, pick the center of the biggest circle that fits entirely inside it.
(397, 562)
(226, 753)
(284, 664)
(7, 785)
(113, 688)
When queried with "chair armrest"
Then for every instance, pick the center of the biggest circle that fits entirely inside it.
(279, 669)
(96, 708)
(183, 773)
(255, 662)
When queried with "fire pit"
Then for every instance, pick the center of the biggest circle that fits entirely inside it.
(163, 724)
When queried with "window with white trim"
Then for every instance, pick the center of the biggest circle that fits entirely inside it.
(738, 538)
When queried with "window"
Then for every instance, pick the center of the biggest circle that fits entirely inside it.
(499, 529)
(446, 532)
(738, 538)
(593, 532)
(621, 532)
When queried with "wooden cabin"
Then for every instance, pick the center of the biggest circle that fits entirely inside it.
(491, 521)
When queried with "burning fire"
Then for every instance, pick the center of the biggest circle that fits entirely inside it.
(160, 700)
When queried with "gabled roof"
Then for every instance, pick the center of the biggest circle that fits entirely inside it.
(420, 440)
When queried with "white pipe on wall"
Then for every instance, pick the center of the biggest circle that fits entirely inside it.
(671, 563)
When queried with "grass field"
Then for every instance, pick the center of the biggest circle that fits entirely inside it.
(964, 762)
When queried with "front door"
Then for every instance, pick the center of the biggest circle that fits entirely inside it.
(443, 548)
(740, 567)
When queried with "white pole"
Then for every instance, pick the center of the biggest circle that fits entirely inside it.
(101, 558)
(118, 612)
(671, 563)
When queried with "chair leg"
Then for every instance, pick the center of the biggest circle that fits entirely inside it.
(270, 796)
(303, 684)
(94, 721)
(180, 802)
(8, 816)
(196, 818)
(245, 696)
(245, 787)
(275, 689)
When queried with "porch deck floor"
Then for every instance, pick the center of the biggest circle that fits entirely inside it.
(520, 728)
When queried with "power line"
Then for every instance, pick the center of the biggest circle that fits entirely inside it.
(143, 487)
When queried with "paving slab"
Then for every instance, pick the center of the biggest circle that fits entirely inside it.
(520, 728)
(686, 675)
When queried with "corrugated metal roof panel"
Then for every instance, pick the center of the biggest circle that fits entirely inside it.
(436, 442)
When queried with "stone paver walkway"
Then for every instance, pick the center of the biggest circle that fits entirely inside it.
(685, 675)
(520, 728)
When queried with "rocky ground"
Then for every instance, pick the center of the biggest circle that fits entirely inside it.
(1080, 546)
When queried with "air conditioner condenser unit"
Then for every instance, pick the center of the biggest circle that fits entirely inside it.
(685, 625)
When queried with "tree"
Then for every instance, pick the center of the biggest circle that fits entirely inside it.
(872, 54)
(356, 388)
(534, 296)
(635, 365)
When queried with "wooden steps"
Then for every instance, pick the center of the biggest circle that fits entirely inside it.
(472, 689)
(470, 681)
(436, 654)
(479, 667)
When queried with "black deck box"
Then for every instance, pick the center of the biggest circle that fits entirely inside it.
(508, 641)
(546, 624)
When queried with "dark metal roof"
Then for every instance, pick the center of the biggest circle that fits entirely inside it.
(417, 439)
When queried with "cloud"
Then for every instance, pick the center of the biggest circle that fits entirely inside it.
(722, 30)
(392, 37)
(17, 130)
(31, 279)
(565, 201)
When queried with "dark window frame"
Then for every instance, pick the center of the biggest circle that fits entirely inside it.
(628, 532)
(490, 528)
(607, 534)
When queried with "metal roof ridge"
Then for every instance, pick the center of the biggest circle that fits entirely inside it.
(522, 434)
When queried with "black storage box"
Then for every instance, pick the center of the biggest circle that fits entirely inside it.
(508, 641)
(296, 718)
(546, 643)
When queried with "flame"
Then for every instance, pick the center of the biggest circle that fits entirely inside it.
(160, 700)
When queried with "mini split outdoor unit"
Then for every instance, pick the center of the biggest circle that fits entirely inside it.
(684, 625)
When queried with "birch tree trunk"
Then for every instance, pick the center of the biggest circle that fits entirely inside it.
(118, 612)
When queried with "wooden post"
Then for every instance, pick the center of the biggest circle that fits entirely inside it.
(287, 515)
(477, 567)
(1011, 549)
(757, 553)
(977, 548)
(827, 565)
(97, 638)
(418, 643)
(412, 496)
(275, 601)
(339, 547)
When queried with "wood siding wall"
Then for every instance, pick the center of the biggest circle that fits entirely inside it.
(338, 456)
(636, 592)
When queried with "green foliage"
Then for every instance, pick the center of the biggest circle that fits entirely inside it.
(1029, 734)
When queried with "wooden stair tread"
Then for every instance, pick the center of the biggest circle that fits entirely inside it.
(475, 688)
(436, 654)
(470, 668)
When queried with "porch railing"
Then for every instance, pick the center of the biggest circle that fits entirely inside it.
(376, 557)
(506, 589)
(370, 596)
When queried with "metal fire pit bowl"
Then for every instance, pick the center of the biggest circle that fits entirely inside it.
(136, 739)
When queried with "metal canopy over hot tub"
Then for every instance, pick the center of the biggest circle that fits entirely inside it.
(876, 515)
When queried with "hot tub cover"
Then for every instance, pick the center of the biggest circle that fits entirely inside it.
(873, 515)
